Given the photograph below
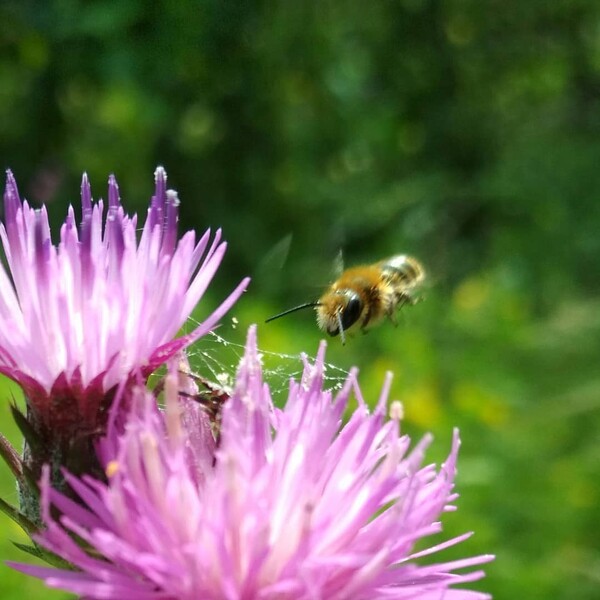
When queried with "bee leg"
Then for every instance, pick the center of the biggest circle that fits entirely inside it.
(411, 298)
(365, 321)
(406, 297)
(401, 299)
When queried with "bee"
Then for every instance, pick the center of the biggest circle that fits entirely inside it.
(363, 296)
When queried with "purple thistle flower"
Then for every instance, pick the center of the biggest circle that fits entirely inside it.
(291, 505)
(78, 318)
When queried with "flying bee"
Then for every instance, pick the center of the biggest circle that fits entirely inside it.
(363, 296)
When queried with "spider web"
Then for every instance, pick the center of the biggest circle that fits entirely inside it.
(216, 357)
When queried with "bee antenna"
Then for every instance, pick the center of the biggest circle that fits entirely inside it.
(341, 327)
(291, 310)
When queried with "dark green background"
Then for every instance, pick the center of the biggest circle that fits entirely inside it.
(465, 132)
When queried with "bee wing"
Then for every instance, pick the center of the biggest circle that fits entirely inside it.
(276, 257)
(338, 264)
(271, 262)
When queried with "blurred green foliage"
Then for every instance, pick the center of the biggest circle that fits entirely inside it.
(466, 133)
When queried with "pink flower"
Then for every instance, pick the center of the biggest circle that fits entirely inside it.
(290, 505)
(78, 318)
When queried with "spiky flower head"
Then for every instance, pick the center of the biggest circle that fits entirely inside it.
(79, 317)
(74, 317)
(291, 504)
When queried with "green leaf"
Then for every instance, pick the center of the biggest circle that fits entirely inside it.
(33, 550)
(46, 556)
(20, 519)
(28, 432)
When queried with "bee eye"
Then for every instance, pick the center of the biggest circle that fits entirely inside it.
(351, 312)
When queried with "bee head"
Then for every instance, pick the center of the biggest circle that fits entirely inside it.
(336, 311)
(339, 312)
